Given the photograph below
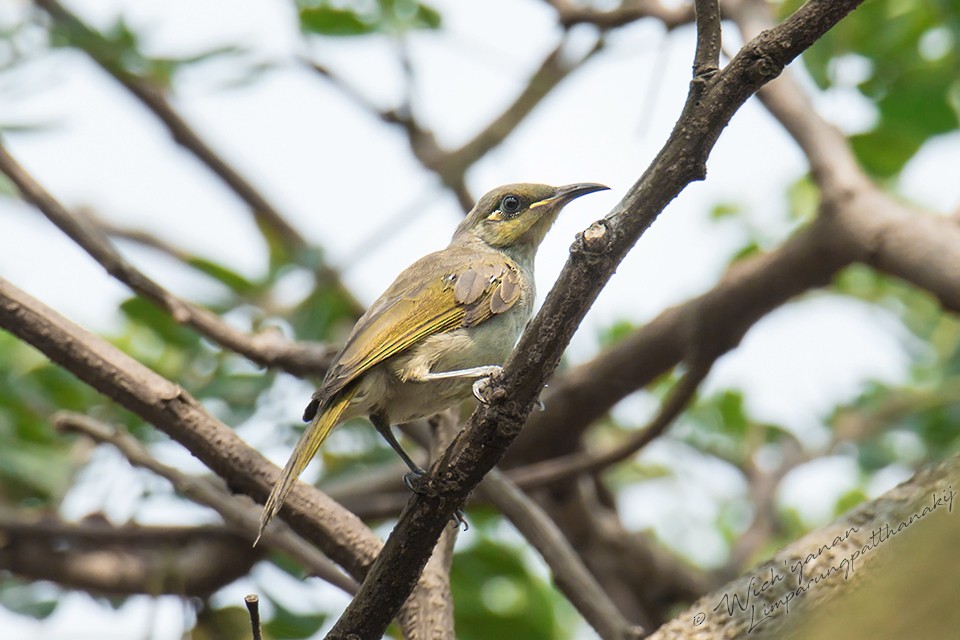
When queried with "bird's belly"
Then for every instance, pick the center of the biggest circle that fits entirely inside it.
(403, 397)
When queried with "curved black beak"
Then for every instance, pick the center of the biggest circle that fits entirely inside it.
(571, 191)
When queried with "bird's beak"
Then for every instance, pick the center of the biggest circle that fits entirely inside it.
(568, 192)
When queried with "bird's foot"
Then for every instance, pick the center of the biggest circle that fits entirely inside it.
(416, 481)
(482, 385)
(540, 406)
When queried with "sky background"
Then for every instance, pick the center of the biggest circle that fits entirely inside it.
(344, 179)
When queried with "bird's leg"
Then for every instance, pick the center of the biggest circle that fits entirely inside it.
(415, 478)
(483, 374)
(382, 424)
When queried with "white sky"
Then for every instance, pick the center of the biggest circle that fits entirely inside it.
(340, 176)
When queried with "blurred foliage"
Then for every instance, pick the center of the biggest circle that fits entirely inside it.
(120, 50)
(355, 18)
(497, 596)
(37, 466)
(907, 59)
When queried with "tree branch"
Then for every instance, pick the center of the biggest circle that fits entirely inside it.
(98, 557)
(628, 11)
(571, 575)
(240, 512)
(152, 98)
(337, 532)
(452, 165)
(594, 257)
(268, 348)
(556, 469)
(813, 569)
(706, 60)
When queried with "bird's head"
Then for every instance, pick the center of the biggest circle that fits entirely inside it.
(519, 215)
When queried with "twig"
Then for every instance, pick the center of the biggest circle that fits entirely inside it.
(153, 99)
(268, 348)
(569, 572)
(252, 602)
(706, 60)
(555, 469)
(451, 165)
(628, 11)
(239, 512)
(594, 257)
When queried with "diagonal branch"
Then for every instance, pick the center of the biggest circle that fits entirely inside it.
(239, 512)
(451, 166)
(338, 533)
(571, 575)
(152, 98)
(555, 469)
(594, 257)
(268, 348)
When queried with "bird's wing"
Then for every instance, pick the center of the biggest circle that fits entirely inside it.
(414, 308)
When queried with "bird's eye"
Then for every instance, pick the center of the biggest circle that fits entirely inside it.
(510, 204)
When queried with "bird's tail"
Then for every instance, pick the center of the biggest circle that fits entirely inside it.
(316, 432)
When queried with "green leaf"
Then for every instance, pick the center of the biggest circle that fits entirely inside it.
(724, 210)
(26, 600)
(616, 332)
(361, 18)
(236, 282)
(498, 597)
(331, 21)
(849, 500)
(147, 314)
(803, 196)
(295, 626)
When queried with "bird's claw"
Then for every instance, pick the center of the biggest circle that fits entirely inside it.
(415, 481)
(461, 519)
(481, 385)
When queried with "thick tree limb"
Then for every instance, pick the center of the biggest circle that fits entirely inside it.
(338, 533)
(788, 590)
(594, 257)
(100, 558)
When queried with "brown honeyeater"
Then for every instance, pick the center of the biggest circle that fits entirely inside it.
(440, 330)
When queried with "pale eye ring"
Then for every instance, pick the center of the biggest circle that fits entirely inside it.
(510, 204)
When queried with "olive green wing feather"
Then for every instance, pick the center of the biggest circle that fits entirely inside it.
(416, 306)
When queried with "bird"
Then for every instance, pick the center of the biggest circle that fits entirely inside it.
(446, 324)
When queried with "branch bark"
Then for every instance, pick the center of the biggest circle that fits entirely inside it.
(337, 532)
(100, 558)
(801, 579)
